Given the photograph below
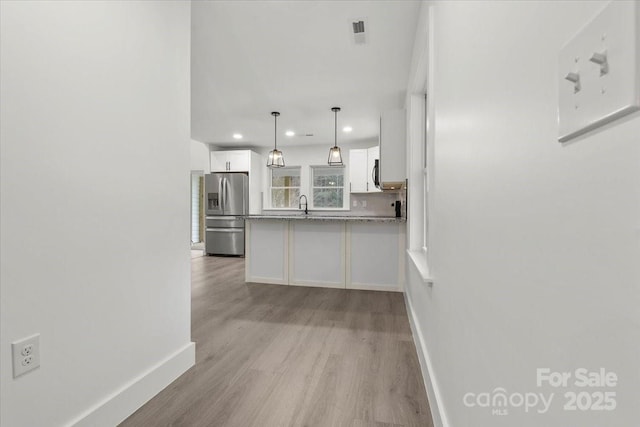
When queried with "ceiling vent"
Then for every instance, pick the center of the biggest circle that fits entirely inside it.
(358, 29)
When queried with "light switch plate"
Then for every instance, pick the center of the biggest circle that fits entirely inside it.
(604, 92)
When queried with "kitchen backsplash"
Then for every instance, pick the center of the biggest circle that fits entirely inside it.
(361, 204)
(377, 204)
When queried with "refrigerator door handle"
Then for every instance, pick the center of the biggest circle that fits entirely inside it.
(245, 194)
(222, 195)
(220, 192)
(226, 192)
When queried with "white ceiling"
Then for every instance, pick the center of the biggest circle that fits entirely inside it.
(299, 58)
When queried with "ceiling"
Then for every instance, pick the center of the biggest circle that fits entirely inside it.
(299, 58)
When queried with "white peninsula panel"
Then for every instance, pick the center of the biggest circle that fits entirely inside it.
(375, 252)
(267, 255)
(317, 255)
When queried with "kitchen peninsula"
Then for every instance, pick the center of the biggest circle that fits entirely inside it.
(352, 252)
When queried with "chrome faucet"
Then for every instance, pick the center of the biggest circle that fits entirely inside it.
(306, 211)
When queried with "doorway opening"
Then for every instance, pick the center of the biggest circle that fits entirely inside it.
(197, 212)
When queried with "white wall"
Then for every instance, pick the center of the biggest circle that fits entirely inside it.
(95, 205)
(535, 246)
(200, 157)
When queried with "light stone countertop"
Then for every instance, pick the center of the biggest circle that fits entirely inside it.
(316, 217)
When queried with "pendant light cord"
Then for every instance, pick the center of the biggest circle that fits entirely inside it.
(275, 132)
(335, 140)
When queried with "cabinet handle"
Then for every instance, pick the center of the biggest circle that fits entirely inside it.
(226, 230)
(367, 186)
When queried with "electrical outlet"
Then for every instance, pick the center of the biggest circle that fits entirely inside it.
(27, 350)
(26, 355)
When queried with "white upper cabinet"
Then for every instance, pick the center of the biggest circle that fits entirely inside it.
(231, 161)
(392, 149)
(219, 161)
(361, 163)
(358, 170)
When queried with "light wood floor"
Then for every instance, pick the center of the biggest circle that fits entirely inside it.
(275, 356)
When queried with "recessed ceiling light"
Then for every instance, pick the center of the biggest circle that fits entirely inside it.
(237, 136)
(347, 129)
(289, 133)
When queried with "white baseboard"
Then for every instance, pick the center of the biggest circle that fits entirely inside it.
(368, 287)
(118, 406)
(313, 284)
(265, 280)
(428, 375)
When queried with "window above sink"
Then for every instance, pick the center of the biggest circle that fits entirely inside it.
(284, 187)
(323, 185)
(327, 187)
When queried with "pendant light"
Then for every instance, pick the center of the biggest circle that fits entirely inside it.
(275, 156)
(335, 157)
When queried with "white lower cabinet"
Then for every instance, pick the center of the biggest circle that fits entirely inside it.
(375, 251)
(316, 255)
(332, 254)
(266, 257)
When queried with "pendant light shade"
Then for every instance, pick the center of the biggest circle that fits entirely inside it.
(275, 160)
(335, 156)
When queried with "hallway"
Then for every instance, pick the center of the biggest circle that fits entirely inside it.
(272, 356)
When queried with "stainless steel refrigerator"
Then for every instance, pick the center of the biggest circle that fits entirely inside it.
(227, 203)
